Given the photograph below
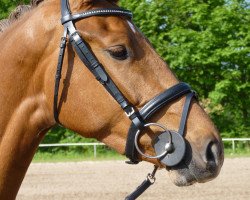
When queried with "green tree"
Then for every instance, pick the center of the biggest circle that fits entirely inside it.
(207, 43)
(6, 6)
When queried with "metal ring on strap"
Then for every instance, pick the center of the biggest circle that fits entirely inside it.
(166, 147)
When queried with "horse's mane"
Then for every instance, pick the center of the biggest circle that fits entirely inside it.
(17, 13)
(20, 10)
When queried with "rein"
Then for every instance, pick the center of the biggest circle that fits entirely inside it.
(169, 145)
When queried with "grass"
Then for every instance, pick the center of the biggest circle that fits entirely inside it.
(238, 153)
(75, 157)
(69, 156)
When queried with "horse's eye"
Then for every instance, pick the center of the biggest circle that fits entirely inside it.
(118, 52)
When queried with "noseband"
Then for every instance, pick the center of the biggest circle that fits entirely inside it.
(169, 145)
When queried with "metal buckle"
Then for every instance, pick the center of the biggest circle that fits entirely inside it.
(151, 177)
(131, 112)
(195, 94)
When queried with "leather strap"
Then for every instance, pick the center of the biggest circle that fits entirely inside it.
(150, 180)
(184, 116)
(58, 75)
(96, 12)
(164, 98)
(139, 190)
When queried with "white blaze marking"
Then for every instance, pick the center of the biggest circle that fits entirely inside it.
(132, 26)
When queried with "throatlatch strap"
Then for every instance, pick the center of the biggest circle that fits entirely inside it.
(58, 75)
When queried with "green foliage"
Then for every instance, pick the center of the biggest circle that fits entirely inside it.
(207, 44)
(59, 134)
(6, 6)
(241, 148)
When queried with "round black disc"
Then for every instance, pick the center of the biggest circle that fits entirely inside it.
(179, 146)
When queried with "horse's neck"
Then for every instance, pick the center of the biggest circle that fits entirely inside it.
(23, 120)
(21, 74)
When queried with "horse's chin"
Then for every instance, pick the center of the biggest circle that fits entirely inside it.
(182, 177)
(186, 175)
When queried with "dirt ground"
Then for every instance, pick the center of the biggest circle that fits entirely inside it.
(114, 180)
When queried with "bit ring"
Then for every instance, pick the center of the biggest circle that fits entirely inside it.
(137, 136)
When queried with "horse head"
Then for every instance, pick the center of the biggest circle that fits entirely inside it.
(127, 59)
(140, 74)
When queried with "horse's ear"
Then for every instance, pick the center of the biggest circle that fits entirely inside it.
(19, 11)
(35, 3)
(114, 1)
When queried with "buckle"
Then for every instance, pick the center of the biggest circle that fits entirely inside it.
(195, 94)
(130, 112)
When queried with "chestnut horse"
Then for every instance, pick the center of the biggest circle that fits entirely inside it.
(28, 60)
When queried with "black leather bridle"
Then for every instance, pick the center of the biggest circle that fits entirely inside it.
(169, 145)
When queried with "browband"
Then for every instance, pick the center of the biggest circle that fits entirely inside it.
(96, 12)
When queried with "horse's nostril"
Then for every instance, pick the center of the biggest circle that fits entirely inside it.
(212, 154)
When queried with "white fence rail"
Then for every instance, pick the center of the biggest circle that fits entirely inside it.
(75, 144)
(233, 140)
